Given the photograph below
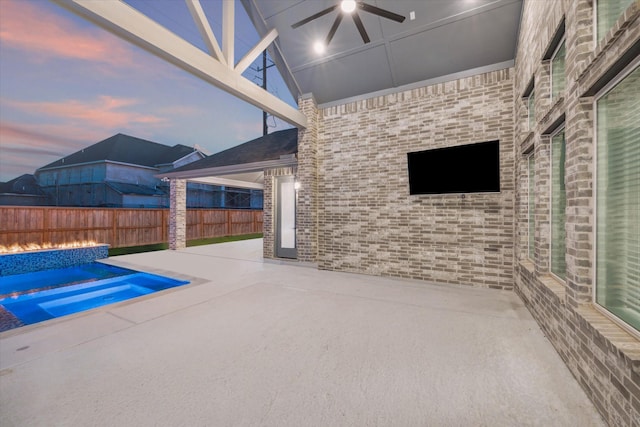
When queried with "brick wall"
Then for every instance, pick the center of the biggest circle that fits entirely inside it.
(178, 214)
(307, 208)
(368, 222)
(603, 357)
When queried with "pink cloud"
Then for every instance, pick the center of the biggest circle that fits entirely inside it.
(106, 112)
(44, 35)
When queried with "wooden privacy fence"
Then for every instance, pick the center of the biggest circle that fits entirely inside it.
(119, 227)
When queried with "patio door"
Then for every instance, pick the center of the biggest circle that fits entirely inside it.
(285, 229)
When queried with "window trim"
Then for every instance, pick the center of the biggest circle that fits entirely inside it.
(531, 127)
(531, 256)
(553, 55)
(560, 128)
(596, 41)
(594, 206)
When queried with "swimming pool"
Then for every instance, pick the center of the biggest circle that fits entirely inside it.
(38, 296)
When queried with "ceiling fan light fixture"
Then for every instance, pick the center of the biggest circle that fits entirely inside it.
(319, 47)
(348, 6)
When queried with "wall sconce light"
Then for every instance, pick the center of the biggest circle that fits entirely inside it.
(296, 185)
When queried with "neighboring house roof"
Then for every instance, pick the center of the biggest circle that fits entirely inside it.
(269, 147)
(141, 190)
(24, 184)
(125, 149)
(174, 153)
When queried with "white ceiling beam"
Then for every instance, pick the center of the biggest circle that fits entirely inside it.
(251, 56)
(138, 29)
(197, 13)
(228, 27)
(216, 180)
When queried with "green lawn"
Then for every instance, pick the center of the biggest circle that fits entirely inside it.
(162, 246)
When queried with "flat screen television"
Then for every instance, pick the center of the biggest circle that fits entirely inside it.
(471, 168)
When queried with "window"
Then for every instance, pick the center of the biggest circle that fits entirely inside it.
(531, 206)
(531, 108)
(607, 13)
(618, 199)
(558, 205)
(557, 72)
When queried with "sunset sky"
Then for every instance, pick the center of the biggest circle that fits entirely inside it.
(66, 84)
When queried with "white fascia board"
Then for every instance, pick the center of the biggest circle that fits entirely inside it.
(229, 183)
(230, 170)
(95, 162)
(125, 22)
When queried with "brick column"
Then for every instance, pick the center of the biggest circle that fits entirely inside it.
(307, 175)
(178, 214)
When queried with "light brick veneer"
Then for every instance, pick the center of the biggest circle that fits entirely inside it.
(307, 176)
(368, 222)
(268, 209)
(178, 214)
(603, 357)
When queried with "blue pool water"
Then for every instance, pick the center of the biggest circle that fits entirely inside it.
(43, 295)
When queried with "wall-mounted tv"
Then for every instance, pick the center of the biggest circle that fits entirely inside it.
(471, 168)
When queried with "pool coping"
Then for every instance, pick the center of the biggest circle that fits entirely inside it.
(193, 281)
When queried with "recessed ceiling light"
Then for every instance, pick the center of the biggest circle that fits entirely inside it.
(319, 47)
(348, 6)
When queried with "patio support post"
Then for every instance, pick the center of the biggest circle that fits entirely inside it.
(307, 175)
(178, 214)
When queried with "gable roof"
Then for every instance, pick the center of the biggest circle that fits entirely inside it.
(125, 149)
(24, 184)
(269, 147)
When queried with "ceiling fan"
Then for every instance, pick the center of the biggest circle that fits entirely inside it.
(350, 7)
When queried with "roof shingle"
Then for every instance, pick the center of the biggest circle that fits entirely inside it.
(125, 149)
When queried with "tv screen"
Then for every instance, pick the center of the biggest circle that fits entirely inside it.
(471, 168)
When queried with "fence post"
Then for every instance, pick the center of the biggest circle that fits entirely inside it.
(254, 226)
(201, 224)
(229, 225)
(46, 236)
(114, 228)
(163, 222)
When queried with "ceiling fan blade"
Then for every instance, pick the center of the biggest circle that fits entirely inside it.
(358, 22)
(333, 29)
(381, 12)
(316, 16)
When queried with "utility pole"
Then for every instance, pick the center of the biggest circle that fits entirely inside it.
(265, 128)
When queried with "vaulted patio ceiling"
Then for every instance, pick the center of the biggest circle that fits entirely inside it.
(447, 39)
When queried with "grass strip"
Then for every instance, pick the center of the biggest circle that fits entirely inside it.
(162, 246)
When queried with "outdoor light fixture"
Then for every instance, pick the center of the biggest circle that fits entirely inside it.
(348, 6)
(319, 47)
(296, 185)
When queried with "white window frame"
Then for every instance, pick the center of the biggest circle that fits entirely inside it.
(529, 118)
(555, 52)
(595, 23)
(555, 133)
(531, 256)
(594, 207)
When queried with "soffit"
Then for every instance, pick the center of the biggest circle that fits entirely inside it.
(446, 38)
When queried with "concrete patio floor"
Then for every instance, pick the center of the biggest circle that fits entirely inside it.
(253, 343)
